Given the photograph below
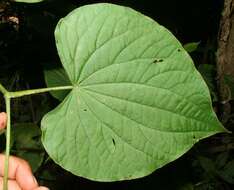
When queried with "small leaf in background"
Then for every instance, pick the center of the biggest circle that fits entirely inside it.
(208, 165)
(47, 175)
(191, 47)
(28, 1)
(222, 159)
(188, 186)
(35, 159)
(138, 101)
(27, 145)
(57, 77)
(227, 173)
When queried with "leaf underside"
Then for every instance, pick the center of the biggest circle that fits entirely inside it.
(138, 102)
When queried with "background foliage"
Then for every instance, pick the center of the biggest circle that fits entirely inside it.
(27, 48)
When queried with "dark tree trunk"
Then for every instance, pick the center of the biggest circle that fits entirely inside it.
(225, 58)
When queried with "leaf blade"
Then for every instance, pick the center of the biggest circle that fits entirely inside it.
(138, 101)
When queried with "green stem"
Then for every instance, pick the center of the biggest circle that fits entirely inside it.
(8, 140)
(37, 91)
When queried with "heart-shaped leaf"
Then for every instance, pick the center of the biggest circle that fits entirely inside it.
(138, 102)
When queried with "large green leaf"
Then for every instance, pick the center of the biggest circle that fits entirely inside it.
(138, 102)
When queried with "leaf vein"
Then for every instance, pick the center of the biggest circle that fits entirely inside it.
(111, 128)
(170, 111)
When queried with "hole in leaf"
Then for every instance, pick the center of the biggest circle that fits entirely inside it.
(158, 60)
(85, 109)
(113, 140)
(179, 50)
